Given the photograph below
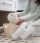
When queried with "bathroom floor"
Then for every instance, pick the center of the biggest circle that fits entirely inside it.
(3, 39)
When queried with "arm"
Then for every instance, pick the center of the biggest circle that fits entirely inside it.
(31, 16)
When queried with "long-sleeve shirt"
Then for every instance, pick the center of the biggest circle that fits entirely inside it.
(33, 13)
(32, 16)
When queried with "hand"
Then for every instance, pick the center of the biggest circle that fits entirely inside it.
(19, 21)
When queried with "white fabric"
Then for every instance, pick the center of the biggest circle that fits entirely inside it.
(27, 29)
(32, 16)
(12, 17)
(36, 25)
(19, 32)
(28, 32)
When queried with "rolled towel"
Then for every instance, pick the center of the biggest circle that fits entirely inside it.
(28, 32)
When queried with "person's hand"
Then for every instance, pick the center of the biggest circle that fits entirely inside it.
(19, 21)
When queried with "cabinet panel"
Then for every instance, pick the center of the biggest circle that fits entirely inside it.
(7, 5)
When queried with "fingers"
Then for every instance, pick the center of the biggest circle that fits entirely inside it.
(18, 22)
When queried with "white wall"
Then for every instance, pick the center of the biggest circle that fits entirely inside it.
(21, 4)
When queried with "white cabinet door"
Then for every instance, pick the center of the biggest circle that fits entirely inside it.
(7, 5)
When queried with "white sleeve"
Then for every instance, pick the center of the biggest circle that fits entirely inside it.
(31, 16)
